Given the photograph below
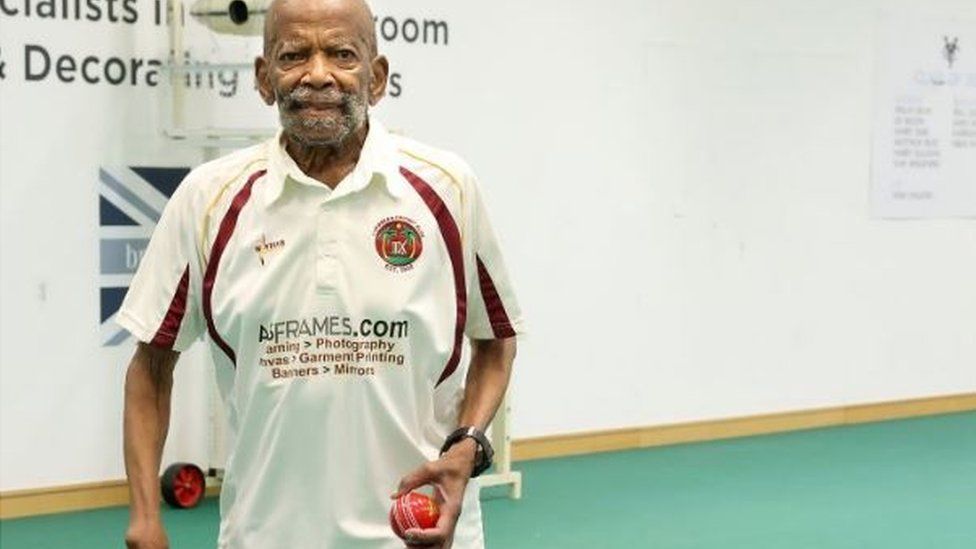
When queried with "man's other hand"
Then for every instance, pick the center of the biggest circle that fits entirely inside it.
(147, 534)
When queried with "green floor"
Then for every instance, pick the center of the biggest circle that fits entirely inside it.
(895, 485)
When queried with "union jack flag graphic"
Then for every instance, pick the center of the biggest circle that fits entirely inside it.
(130, 201)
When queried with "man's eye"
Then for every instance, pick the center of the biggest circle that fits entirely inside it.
(289, 56)
(346, 55)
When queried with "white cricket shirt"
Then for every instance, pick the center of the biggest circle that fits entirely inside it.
(335, 320)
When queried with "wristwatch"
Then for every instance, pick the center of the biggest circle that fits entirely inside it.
(484, 454)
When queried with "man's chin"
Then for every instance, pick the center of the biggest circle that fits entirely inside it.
(313, 135)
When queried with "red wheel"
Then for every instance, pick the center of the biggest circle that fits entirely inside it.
(183, 485)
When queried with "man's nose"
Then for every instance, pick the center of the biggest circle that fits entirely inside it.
(318, 73)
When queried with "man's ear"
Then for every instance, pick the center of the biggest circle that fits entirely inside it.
(380, 69)
(263, 80)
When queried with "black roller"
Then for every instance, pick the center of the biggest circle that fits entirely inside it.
(238, 12)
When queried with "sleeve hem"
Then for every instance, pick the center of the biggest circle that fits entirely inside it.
(138, 329)
(488, 331)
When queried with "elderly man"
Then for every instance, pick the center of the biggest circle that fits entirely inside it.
(336, 269)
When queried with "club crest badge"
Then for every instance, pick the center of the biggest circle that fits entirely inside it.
(399, 242)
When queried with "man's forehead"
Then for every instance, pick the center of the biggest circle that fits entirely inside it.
(346, 13)
(351, 17)
(296, 33)
(339, 10)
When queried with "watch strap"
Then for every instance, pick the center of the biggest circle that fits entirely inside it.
(485, 452)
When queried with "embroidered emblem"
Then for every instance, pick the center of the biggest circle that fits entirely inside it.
(399, 242)
(264, 248)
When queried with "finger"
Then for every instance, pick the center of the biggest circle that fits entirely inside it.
(449, 503)
(418, 544)
(415, 479)
(440, 533)
(431, 537)
(418, 537)
(448, 518)
(439, 496)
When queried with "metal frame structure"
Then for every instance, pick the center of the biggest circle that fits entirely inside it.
(501, 440)
(211, 140)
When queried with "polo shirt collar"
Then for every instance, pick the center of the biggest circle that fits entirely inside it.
(376, 161)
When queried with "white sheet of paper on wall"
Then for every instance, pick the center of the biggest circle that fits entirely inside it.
(924, 150)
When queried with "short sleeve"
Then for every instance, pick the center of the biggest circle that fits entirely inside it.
(162, 306)
(493, 310)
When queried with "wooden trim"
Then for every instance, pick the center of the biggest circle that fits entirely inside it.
(23, 503)
(94, 495)
(75, 497)
(700, 431)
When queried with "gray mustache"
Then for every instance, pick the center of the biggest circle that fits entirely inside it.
(308, 95)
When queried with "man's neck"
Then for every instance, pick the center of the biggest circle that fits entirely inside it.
(330, 165)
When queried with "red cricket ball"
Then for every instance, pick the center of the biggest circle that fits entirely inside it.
(413, 510)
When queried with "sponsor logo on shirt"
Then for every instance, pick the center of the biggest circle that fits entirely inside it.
(316, 347)
(399, 242)
(265, 249)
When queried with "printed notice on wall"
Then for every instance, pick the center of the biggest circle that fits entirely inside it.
(924, 159)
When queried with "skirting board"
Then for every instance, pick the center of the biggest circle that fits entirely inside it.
(701, 431)
(63, 499)
(24, 503)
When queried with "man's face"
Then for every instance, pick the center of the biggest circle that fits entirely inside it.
(321, 70)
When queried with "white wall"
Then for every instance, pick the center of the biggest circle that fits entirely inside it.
(686, 203)
(682, 189)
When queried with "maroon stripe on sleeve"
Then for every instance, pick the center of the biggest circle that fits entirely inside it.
(227, 226)
(500, 324)
(452, 239)
(170, 326)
